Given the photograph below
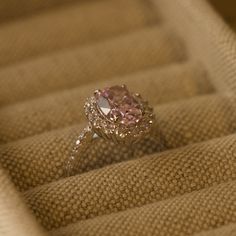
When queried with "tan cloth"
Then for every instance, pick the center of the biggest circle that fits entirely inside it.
(66, 27)
(53, 74)
(15, 218)
(162, 217)
(228, 230)
(180, 56)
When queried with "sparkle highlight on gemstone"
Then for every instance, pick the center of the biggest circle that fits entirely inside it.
(119, 105)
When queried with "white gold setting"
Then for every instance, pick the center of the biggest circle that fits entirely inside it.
(113, 114)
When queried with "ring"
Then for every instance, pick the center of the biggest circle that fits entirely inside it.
(114, 114)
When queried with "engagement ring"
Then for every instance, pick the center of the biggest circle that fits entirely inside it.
(114, 114)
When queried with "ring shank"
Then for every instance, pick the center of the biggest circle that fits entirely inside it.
(154, 142)
(82, 143)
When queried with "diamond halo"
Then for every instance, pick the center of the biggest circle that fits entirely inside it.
(116, 114)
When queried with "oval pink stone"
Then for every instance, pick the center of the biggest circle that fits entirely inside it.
(118, 104)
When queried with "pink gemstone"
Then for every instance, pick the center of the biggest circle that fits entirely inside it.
(118, 104)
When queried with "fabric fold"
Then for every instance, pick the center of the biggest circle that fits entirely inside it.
(15, 218)
(182, 215)
(57, 110)
(78, 66)
(134, 183)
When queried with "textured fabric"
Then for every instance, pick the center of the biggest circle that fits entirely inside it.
(182, 215)
(108, 58)
(135, 183)
(210, 40)
(52, 111)
(41, 159)
(180, 180)
(14, 8)
(228, 230)
(15, 217)
(37, 35)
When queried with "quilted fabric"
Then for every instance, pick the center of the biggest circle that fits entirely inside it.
(180, 180)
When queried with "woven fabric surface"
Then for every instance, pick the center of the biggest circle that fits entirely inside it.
(52, 111)
(228, 230)
(41, 159)
(220, 64)
(179, 180)
(134, 183)
(182, 215)
(114, 17)
(108, 58)
(15, 217)
(12, 9)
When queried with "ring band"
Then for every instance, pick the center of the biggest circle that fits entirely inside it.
(114, 114)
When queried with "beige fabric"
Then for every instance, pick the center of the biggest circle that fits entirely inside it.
(182, 215)
(109, 58)
(15, 218)
(228, 230)
(13, 9)
(135, 183)
(207, 38)
(52, 111)
(30, 37)
(180, 56)
(40, 159)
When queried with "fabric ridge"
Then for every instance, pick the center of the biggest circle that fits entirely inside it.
(178, 181)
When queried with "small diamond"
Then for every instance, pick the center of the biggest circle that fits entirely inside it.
(78, 142)
(122, 135)
(103, 105)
